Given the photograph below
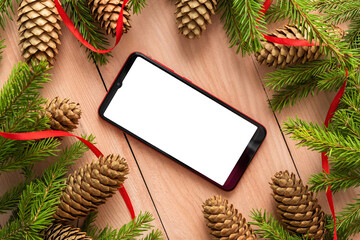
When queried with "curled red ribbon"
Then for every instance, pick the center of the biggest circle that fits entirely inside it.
(53, 133)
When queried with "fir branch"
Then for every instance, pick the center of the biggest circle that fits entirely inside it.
(242, 21)
(353, 33)
(128, 231)
(343, 150)
(315, 29)
(2, 46)
(137, 5)
(9, 201)
(269, 228)
(154, 235)
(39, 200)
(340, 13)
(20, 111)
(89, 221)
(36, 152)
(80, 14)
(337, 180)
(295, 82)
(297, 73)
(348, 220)
(323, 5)
(6, 9)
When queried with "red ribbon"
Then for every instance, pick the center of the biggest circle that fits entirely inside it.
(53, 133)
(76, 33)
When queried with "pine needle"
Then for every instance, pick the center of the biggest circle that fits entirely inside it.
(2, 46)
(137, 5)
(80, 14)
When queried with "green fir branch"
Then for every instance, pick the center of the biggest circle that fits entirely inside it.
(9, 201)
(353, 33)
(131, 230)
(137, 5)
(242, 23)
(315, 29)
(89, 221)
(6, 9)
(340, 12)
(39, 200)
(2, 46)
(348, 220)
(80, 14)
(338, 181)
(21, 111)
(269, 228)
(292, 83)
(323, 5)
(343, 150)
(154, 235)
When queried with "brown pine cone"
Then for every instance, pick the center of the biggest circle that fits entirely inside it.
(39, 29)
(297, 207)
(193, 15)
(224, 221)
(64, 115)
(90, 187)
(278, 55)
(58, 231)
(107, 12)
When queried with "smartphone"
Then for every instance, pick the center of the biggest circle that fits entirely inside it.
(182, 121)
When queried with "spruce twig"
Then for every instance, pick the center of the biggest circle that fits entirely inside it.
(2, 46)
(337, 180)
(269, 227)
(21, 111)
(80, 14)
(6, 9)
(137, 5)
(40, 198)
(242, 23)
(131, 230)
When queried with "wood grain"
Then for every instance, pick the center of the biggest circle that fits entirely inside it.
(76, 78)
(209, 63)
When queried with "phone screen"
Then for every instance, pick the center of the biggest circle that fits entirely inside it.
(179, 120)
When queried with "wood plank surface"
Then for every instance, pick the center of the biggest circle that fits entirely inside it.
(76, 78)
(157, 184)
(209, 63)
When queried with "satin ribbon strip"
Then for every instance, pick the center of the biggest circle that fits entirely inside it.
(53, 133)
(76, 33)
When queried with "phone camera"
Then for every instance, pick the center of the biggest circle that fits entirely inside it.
(118, 84)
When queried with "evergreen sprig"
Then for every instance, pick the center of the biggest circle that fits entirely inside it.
(315, 29)
(340, 11)
(21, 111)
(137, 5)
(80, 13)
(40, 197)
(2, 46)
(131, 230)
(353, 33)
(292, 83)
(243, 23)
(337, 180)
(269, 227)
(9, 201)
(6, 9)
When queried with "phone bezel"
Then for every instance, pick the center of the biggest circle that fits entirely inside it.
(244, 159)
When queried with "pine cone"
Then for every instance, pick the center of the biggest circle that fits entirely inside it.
(297, 207)
(278, 55)
(63, 232)
(64, 115)
(107, 12)
(193, 15)
(39, 29)
(90, 186)
(224, 221)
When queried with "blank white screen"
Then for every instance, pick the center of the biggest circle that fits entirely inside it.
(180, 121)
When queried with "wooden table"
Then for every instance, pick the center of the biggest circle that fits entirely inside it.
(156, 184)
